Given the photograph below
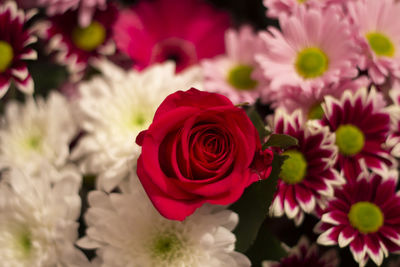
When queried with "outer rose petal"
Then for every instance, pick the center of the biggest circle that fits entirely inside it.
(191, 98)
(163, 202)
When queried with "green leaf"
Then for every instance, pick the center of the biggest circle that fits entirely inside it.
(281, 140)
(253, 206)
(257, 122)
(265, 247)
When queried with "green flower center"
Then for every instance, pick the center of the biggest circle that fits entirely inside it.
(22, 242)
(90, 37)
(350, 139)
(33, 142)
(139, 119)
(25, 242)
(366, 217)
(6, 55)
(311, 62)
(294, 168)
(166, 246)
(240, 77)
(316, 112)
(380, 44)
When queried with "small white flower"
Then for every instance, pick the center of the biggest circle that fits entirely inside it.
(127, 231)
(36, 134)
(38, 220)
(114, 108)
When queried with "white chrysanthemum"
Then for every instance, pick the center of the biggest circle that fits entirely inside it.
(114, 108)
(136, 235)
(38, 220)
(37, 133)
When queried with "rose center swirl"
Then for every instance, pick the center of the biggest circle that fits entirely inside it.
(90, 37)
(6, 55)
(209, 146)
(366, 217)
(350, 139)
(294, 168)
(240, 77)
(311, 62)
(380, 44)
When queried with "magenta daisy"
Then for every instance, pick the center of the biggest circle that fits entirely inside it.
(304, 254)
(310, 102)
(361, 125)
(313, 50)
(232, 74)
(364, 215)
(307, 176)
(378, 34)
(86, 8)
(184, 31)
(393, 141)
(14, 41)
(74, 45)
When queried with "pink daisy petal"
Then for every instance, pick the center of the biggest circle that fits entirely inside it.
(233, 74)
(373, 25)
(318, 34)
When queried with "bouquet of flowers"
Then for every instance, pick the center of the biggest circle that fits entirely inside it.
(199, 133)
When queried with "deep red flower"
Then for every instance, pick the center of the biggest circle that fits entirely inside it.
(200, 148)
(184, 31)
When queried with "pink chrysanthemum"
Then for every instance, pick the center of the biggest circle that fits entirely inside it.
(313, 50)
(310, 102)
(305, 255)
(378, 34)
(307, 177)
(232, 74)
(185, 31)
(76, 46)
(361, 125)
(364, 215)
(14, 41)
(277, 8)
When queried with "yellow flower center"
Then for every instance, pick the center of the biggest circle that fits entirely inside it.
(350, 139)
(294, 168)
(90, 37)
(240, 77)
(366, 217)
(311, 62)
(380, 44)
(6, 55)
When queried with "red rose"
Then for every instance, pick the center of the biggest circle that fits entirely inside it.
(199, 148)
